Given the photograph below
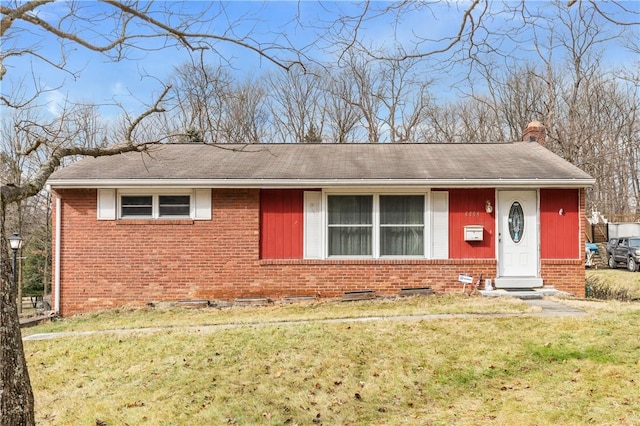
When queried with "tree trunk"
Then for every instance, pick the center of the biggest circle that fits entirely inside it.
(16, 396)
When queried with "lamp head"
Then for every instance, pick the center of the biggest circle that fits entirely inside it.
(488, 207)
(15, 241)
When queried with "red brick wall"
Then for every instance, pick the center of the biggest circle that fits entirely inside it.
(564, 274)
(105, 264)
(112, 263)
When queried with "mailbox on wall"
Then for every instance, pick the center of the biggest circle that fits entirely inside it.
(473, 232)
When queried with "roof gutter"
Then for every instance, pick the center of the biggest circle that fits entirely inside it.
(57, 255)
(319, 183)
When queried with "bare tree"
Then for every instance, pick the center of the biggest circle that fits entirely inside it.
(514, 94)
(210, 102)
(587, 106)
(603, 117)
(200, 93)
(53, 139)
(589, 110)
(476, 30)
(368, 96)
(339, 103)
(247, 115)
(295, 101)
(484, 32)
(405, 96)
(114, 30)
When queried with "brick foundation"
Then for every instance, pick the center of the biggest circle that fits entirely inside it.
(566, 275)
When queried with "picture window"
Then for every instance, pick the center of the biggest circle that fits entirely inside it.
(376, 226)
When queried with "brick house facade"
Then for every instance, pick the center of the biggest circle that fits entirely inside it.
(264, 225)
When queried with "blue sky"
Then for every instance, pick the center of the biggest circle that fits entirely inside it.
(134, 82)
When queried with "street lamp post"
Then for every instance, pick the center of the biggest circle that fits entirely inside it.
(15, 242)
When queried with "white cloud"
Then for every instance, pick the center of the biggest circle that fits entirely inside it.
(119, 88)
(55, 101)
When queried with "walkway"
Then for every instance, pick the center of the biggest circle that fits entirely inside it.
(549, 309)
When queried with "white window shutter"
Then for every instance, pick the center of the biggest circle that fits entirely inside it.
(312, 225)
(440, 225)
(202, 203)
(106, 204)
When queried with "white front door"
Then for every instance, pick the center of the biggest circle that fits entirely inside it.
(518, 254)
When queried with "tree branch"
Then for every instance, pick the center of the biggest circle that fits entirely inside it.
(183, 36)
(466, 17)
(12, 14)
(155, 108)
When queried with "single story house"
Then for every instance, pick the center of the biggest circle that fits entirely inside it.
(221, 222)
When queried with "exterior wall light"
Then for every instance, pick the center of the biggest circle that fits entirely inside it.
(488, 207)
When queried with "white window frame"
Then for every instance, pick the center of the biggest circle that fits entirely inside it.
(199, 203)
(367, 226)
(375, 238)
(190, 205)
(155, 203)
(380, 226)
(109, 203)
(120, 206)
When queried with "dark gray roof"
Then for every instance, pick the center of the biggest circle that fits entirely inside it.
(270, 163)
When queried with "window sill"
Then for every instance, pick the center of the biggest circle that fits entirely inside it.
(123, 222)
(371, 261)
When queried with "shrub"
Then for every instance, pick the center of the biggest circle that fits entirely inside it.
(601, 288)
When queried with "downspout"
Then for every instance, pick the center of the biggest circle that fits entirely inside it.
(56, 274)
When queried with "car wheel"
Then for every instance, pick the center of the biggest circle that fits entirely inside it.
(632, 265)
(612, 262)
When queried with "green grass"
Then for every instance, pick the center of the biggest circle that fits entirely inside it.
(466, 371)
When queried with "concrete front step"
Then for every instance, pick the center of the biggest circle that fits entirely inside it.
(522, 293)
(523, 283)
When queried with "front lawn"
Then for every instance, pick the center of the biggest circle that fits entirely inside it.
(451, 370)
(613, 284)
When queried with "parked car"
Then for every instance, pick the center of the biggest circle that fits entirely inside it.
(624, 250)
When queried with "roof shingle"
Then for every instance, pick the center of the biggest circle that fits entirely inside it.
(321, 162)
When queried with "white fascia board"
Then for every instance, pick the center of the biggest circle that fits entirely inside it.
(319, 183)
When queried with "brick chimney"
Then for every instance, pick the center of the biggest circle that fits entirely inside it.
(535, 132)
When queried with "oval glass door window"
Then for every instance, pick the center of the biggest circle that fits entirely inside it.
(516, 222)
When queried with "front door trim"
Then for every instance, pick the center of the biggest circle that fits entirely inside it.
(518, 262)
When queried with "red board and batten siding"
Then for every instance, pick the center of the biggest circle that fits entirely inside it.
(281, 223)
(559, 233)
(467, 207)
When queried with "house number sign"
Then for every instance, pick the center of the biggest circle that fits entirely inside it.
(471, 214)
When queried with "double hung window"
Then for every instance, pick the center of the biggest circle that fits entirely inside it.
(401, 225)
(350, 225)
(136, 206)
(376, 225)
(174, 205)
